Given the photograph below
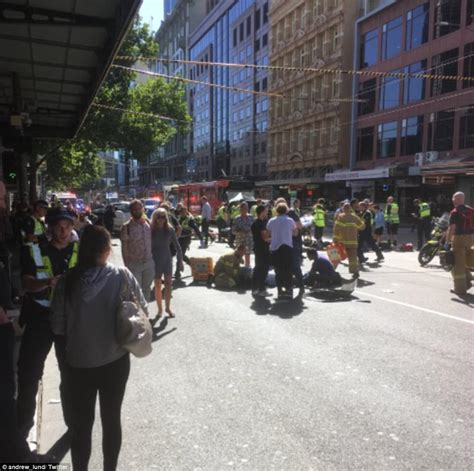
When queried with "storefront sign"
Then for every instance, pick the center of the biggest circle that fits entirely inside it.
(358, 175)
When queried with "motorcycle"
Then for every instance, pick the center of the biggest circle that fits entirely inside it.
(435, 245)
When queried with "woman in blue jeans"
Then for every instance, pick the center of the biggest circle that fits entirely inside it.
(84, 310)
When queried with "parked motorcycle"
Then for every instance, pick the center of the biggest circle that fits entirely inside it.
(435, 245)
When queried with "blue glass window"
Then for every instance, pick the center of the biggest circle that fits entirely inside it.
(387, 140)
(389, 92)
(392, 38)
(418, 21)
(414, 88)
(369, 48)
(411, 140)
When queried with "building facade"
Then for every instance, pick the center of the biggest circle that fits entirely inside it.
(415, 131)
(309, 136)
(181, 17)
(229, 132)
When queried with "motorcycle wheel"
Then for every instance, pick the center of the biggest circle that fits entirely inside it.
(427, 253)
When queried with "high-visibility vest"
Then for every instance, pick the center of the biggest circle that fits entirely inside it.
(221, 213)
(425, 211)
(393, 217)
(44, 270)
(274, 212)
(235, 212)
(38, 230)
(297, 211)
(184, 222)
(319, 217)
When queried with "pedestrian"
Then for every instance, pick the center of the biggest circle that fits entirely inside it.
(162, 237)
(460, 237)
(188, 225)
(319, 219)
(261, 247)
(242, 229)
(108, 218)
(322, 273)
(222, 220)
(423, 219)
(253, 209)
(365, 235)
(206, 215)
(39, 279)
(379, 224)
(295, 214)
(227, 269)
(346, 231)
(392, 219)
(33, 227)
(135, 236)
(84, 312)
(281, 230)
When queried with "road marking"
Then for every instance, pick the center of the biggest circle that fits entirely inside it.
(413, 306)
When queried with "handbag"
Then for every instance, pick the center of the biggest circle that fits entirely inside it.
(133, 329)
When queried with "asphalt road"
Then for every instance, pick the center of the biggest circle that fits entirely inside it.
(383, 380)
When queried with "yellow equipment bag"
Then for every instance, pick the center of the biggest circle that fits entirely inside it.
(201, 268)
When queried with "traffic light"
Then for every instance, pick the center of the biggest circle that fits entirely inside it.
(10, 168)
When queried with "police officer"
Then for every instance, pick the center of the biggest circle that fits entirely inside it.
(39, 278)
(392, 219)
(422, 215)
(33, 229)
(460, 237)
(319, 219)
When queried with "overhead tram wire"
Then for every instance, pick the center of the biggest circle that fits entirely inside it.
(226, 87)
(363, 73)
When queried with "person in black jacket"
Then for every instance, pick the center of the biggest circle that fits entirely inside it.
(365, 236)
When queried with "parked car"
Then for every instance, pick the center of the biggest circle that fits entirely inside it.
(122, 215)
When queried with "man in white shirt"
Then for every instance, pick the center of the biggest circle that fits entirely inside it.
(281, 231)
(206, 215)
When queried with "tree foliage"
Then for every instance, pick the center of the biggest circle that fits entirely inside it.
(76, 162)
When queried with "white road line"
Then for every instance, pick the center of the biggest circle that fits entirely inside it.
(419, 308)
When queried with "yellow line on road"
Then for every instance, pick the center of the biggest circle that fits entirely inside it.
(413, 306)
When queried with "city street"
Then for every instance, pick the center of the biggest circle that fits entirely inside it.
(380, 381)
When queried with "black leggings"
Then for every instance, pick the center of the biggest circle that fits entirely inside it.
(109, 381)
(282, 260)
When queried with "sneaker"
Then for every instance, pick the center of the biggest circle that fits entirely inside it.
(264, 293)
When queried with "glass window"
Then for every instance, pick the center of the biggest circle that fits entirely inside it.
(441, 131)
(369, 48)
(264, 40)
(249, 26)
(241, 31)
(392, 38)
(444, 64)
(389, 92)
(468, 70)
(418, 21)
(365, 144)
(387, 140)
(447, 17)
(257, 45)
(235, 37)
(367, 93)
(411, 140)
(257, 20)
(470, 13)
(265, 13)
(413, 87)
(466, 130)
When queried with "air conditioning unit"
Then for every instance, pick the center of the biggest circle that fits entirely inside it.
(431, 157)
(419, 158)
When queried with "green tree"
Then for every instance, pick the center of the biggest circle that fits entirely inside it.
(75, 163)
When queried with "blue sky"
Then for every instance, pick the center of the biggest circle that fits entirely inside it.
(152, 9)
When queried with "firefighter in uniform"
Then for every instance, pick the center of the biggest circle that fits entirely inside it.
(39, 278)
(460, 237)
(422, 215)
(392, 219)
(319, 219)
(227, 269)
(346, 231)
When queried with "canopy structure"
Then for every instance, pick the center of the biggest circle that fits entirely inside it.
(54, 55)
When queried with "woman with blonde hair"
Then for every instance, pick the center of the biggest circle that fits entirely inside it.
(242, 228)
(162, 236)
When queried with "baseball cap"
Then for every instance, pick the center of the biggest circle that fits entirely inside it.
(57, 214)
(41, 204)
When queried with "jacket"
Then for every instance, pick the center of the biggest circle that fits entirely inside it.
(346, 229)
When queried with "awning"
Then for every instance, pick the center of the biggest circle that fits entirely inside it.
(54, 56)
(345, 175)
(460, 166)
(289, 182)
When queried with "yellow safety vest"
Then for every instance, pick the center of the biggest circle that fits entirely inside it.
(45, 271)
(425, 210)
(319, 217)
(221, 213)
(393, 217)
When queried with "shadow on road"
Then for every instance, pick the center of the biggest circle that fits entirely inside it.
(285, 310)
(467, 299)
(336, 297)
(161, 327)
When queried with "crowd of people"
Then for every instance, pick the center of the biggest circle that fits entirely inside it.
(69, 292)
